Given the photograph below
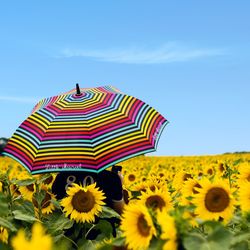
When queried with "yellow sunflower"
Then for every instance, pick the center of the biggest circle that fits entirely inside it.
(190, 188)
(17, 172)
(244, 196)
(39, 240)
(1, 186)
(244, 175)
(191, 217)
(83, 203)
(209, 170)
(154, 184)
(49, 181)
(137, 226)
(4, 235)
(221, 168)
(47, 206)
(27, 191)
(156, 200)
(215, 200)
(180, 178)
(168, 230)
(130, 178)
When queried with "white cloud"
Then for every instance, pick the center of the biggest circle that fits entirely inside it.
(170, 52)
(19, 99)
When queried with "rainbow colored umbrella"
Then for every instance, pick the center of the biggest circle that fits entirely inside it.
(87, 130)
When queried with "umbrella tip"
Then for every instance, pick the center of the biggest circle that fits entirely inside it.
(78, 91)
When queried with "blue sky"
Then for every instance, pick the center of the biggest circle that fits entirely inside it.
(188, 59)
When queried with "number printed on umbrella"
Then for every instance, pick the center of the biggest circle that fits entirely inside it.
(88, 180)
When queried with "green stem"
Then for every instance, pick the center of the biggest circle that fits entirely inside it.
(70, 241)
(229, 175)
(86, 234)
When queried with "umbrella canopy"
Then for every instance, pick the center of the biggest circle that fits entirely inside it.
(87, 130)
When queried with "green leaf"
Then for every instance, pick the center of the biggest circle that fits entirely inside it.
(4, 222)
(105, 227)
(3, 246)
(25, 206)
(57, 222)
(195, 242)
(104, 247)
(241, 237)
(84, 244)
(118, 241)
(63, 244)
(56, 203)
(220, 238)
(135, 193)
(43, 178)
(25, 182)
(39, 196)
(108, 212)
(4, 205)
(156, 244)
(19, 215)
(244, 245)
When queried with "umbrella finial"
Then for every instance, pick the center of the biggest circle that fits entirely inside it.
(78, 91)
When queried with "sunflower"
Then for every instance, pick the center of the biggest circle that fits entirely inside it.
(168, 230)
(4, 235)
(244, 196)
(39, 240)
(154, 184)
(1, 186)
(221, 168)
(83, 203)
(244, 173)
(209, 170)
(137, 226)
(130, 178)
(180, 179)
(191, 217)
(215, 200)
(27, 191)
(190, 188)
(156, 200)
(47, 206)
(17, 172)
(47, 183)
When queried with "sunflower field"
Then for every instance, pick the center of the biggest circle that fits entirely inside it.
(193, 203)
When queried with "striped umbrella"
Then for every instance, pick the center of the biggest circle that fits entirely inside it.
(89, 129)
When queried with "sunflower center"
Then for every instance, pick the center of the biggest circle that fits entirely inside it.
(248, 178)
(216, 200)
(83, 202)
(131, 177)
(142, 226)
(155, 201)
(221, 167)
(30, 187)
(48, 180)
(210, 171)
